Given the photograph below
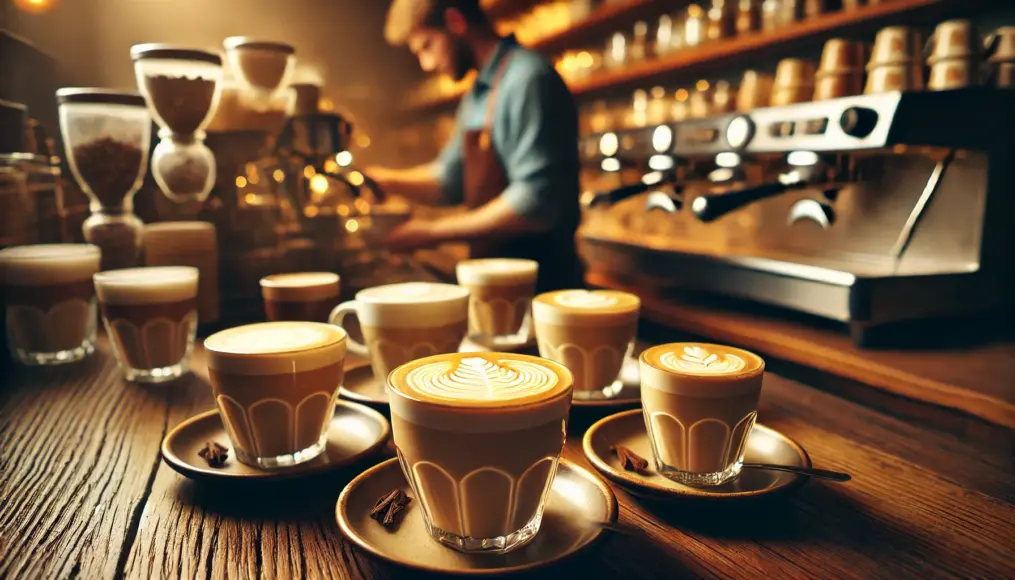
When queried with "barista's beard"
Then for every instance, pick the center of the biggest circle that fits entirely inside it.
(462, 59)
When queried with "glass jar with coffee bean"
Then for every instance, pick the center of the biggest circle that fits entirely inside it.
(182, 87)
(107, 135)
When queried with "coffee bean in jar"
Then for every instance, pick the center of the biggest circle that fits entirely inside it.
(108, 168)
(182, 102)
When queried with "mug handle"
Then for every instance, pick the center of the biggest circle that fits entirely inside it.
(338, 315)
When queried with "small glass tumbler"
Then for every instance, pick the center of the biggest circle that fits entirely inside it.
(151, 318)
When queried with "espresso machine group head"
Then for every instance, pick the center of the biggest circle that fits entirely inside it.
(870, 210)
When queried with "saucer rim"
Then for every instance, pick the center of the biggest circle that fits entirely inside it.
(197, 473)
(345, 526)
(645, 488)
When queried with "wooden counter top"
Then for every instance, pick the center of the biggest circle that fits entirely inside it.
(84, 494)
(977, 380)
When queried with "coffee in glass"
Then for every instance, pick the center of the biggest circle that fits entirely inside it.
(700, 402)
(50, 302)
(403, 322)
(308, 296)
(590, 332)
(151, 318)
(478, 436)
(275, 384)
(501, 297)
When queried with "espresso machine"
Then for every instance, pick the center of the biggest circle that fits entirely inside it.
(874, 211)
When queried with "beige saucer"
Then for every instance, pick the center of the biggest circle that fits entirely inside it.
(354, 432)
(360, 385)
(628, 429)
(578, 500)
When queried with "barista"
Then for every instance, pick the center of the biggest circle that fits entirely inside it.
(513, 158)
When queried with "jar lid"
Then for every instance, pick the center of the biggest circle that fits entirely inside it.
(172, 52)
(234, 42)
(98, 96)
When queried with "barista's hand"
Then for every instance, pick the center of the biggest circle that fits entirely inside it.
(414, 234)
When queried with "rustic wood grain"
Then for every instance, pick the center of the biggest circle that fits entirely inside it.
(84, 495)
(977, 380)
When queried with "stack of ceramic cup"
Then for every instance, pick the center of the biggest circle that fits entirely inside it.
(1001, 57)
(755, 91)
(952, 55)
(895, 63)
(794, 82)
(840, 73)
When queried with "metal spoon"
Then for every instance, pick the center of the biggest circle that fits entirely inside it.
(809, 472)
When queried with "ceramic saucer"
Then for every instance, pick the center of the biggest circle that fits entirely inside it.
(360, 385)
(764, 445)
(354, 432)
(578, 499)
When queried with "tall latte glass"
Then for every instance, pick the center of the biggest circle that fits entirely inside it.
(501, 297)
(589, 332)
(50, 302)
(275, 385)
(479, 437)
(700, 402)
(403, 322)
(151, 318)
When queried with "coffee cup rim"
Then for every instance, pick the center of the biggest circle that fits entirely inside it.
(461, 293)
(22, 253)
(759, 370)
(342, 337)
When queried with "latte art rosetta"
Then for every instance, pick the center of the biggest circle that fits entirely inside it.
(695, 359)
(477, 378)
(585, 299)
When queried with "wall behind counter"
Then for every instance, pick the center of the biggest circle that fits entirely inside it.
(341, 41)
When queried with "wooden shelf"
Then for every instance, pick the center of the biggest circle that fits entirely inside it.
(743, 49)
(604, 21)
(504, 8)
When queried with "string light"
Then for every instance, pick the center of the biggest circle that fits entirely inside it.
(35, 6)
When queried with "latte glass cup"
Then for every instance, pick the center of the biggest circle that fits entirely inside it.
(151, 318)
(700, 402)
(50, 302)
(308, 296)
(501, 298)
(403, 322)
(589, 332)
(275, 384)
(479, 437)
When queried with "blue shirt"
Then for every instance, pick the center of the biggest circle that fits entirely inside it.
(534, 133)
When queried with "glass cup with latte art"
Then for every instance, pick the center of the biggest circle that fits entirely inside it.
(589, 332)
(403, 322)
(50, 302)
(275, 384)
(501, 298)
(700, 403)
(151, 318)
(478, 437)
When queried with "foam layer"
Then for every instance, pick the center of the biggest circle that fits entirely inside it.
(412, 305)
(585, 307)
(480, 392)
(275, 348)
(45, 264)
(497, 271)
(179, 237)
(700, 369)
(300, 286)
(154, 285)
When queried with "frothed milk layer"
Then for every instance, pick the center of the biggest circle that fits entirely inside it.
(158, 285)
(508, 391)
(300, 286)
(272, 348)
(701, 370)
(46, 264)
(585, 307)
(412, 305)
(496, 271)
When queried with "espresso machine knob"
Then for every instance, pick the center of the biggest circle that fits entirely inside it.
(858, 122)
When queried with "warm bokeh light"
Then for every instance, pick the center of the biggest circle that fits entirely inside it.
(35, 6)
(343, 158)
(279, 175)
(309, 172)
(702, 85)
(311, 211)
(330, 166)
(356, 178)
(362, 206)
(363, 141)
(352, 226)
(343, 210)
(241, 181)
(682, 95)
(250, 198)
(319, 184)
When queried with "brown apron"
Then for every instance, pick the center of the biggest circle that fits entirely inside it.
(484, 178)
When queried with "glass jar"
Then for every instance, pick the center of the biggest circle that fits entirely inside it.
(664, 35)
(695, 26)
(264, 67)
(748, 16)
(722, 20)
(639, 49)
(106, 135)
(615, 55)
(182, 87)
